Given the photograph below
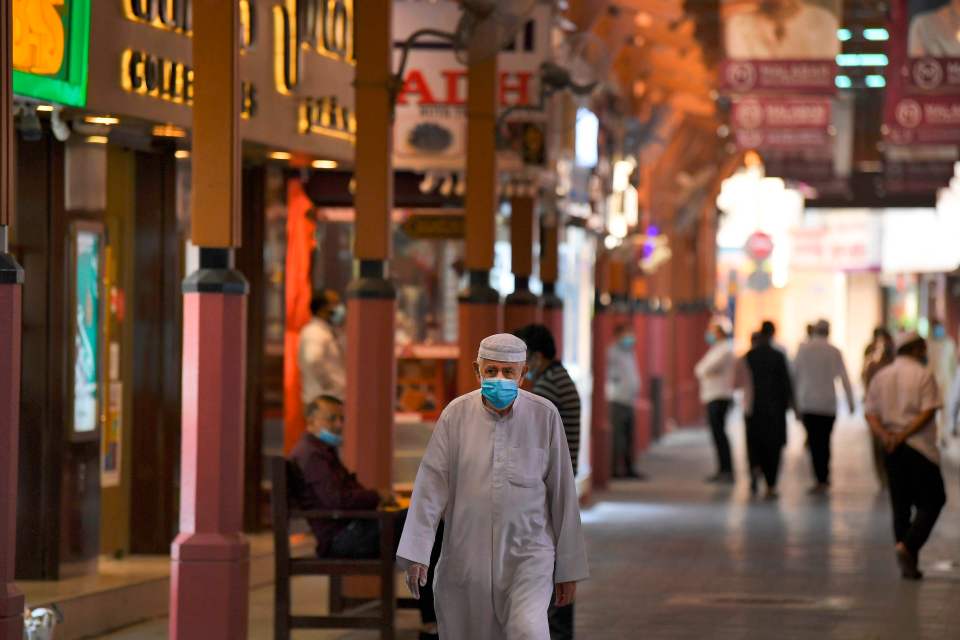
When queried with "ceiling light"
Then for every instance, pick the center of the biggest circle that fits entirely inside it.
(97, 139)
(324, 164)
(45, 107)
(862, 60)
(876, 35)
(643, 20)
(843, 82)
(875, 81)
(181, 154)
(168, 131)
(279, 155)
(844, 34)
(101, 120)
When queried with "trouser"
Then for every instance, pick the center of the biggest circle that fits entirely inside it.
(879, 459)
(717, 417)
(361, 539)
(819, 429)
(916, 494)
(561, 622)
(763, 451)
(621, 421)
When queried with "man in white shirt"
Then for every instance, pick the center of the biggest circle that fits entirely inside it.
(782, 29)
(320, 353)
(715, 373)
(622, 387)
(817, 366)
(934, 33)
(901, 404)
(497, 471)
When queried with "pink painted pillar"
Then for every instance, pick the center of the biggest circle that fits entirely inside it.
(601, 438)
(551, 315)
(371, 380)
(520, 309)
(642, 434)
(479, 315)
(209, 579)
(11, 285)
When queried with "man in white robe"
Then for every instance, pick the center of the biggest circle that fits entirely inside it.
(497, 472)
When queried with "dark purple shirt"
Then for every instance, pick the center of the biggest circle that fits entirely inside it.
(328, 485)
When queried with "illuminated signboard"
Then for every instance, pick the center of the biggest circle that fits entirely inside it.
(50, 39)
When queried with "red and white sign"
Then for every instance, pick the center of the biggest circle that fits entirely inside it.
(838, 241)
(430, 125)
(792, 76)
(759, 246)
(781, 113)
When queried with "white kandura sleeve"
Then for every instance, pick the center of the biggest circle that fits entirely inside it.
(430, 492)
(571, 551)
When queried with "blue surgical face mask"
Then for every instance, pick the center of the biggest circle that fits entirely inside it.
(330, 438)
(338, 315)
(628, 341)
(939, 332)
(499, 392)
(710, 337)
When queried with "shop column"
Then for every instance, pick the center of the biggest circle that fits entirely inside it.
(371, 299)
(521, 307)
(479, 305)
(209, 579)
(551, 306)
(11, 286)
(601, 439)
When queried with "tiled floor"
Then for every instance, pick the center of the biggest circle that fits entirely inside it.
(674, 558)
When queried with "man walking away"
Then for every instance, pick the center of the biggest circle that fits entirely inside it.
(623, 384)
(551, 381)
(901, 405)
(715, 373)
(771, 395)
(817, 366)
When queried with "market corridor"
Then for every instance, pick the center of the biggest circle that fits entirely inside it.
(675, 558)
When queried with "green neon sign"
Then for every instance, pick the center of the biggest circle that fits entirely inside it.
(51, 49)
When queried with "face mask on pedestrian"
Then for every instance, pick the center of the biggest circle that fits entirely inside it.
(337, 315)
(328, 437)
(710, 337)
(939, 332)
(534, 366)
(499, 392)
(627, 341)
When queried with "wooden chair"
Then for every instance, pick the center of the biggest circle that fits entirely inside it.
(286, 477)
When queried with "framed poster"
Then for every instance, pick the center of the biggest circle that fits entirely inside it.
(85, 307)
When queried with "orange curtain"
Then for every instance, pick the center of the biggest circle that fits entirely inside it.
(301, 241)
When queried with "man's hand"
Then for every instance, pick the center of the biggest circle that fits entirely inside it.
(416, 577)
(387, 498)
(566, 592)
(893, 440)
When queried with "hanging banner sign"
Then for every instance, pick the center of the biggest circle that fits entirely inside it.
(430, 126)
(781, 123)
(780, 46)
(923, 82)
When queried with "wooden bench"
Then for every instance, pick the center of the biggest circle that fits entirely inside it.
(286, 476)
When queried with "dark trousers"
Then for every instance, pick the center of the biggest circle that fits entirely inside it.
(819, 430)
(361, 539)
(621, 422)
(717, 417)
(763, 451)
(916, 494)
(561, 622)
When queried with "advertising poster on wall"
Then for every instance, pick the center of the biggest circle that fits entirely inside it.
(86, 332)
(780, 45)
(923, 81)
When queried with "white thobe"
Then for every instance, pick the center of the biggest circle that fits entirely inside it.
(504, 487)
(322, 361)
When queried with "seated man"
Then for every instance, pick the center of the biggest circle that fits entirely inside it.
(329, 485)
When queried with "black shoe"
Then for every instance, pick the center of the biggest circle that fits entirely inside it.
(721, 477)
(908, 564)
(425, 635)
(636, 475)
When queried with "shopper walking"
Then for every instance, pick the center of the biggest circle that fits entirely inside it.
(878, 354)
(769, 393)
(551, 381)
(321, 354)
(715, 373)
(901, 404)
(622, 387)
(816, 368)
(942, 352)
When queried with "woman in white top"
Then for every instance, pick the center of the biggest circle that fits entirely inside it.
(715, 372)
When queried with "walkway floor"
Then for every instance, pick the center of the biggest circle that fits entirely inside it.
(675, 558)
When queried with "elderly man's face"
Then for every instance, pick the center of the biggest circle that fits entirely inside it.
(328, 416)
(486, 369)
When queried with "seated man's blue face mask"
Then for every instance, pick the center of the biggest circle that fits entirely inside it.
(328, 437)
(499, 392)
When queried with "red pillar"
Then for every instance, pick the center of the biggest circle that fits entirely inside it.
(210, 557)
(551, 315)
(601, 439)
(686, 401)
(642, 433)
(479, 316)
(520, 309)
(11, 284)
(659, 390)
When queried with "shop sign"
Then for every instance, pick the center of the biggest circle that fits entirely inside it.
(767, 49)
(297, 63)
(430, 125)
(837, 240)
(435, 226)
(782, 123)
(759, 246)
(86, 250)
(50, 41)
